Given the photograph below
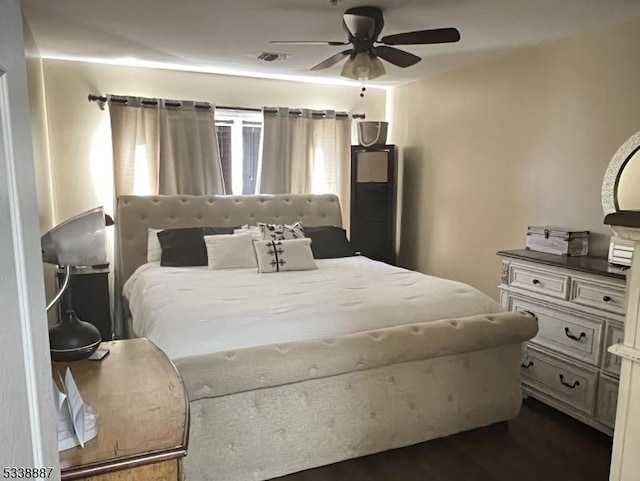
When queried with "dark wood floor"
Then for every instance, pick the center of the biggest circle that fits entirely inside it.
(541, 444)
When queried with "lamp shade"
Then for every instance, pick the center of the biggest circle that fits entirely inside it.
(363, 67)
(79, 241)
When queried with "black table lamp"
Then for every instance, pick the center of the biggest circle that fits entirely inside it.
(77, 242)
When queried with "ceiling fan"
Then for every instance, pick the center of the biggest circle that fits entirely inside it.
(363, 26)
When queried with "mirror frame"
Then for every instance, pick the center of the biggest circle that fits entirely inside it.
(614, 171)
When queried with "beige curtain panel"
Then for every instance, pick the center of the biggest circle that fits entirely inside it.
(161, 147)
(304, 152)
(164, 147)
(189, 160)
(135, 137)
(286, 153)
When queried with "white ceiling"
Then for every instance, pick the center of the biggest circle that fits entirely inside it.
(225, 36)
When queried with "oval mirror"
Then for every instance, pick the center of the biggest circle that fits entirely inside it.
(627, 155)
(628, 190)
(621, 186)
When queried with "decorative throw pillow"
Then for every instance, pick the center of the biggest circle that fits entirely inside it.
(284, 255)
(281, 231)
(186, 247)
(233, 251)
(154, 251)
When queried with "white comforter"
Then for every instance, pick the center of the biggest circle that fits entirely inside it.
(192, 311)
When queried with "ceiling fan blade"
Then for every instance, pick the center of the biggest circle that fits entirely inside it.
(436, 35)
(397, 57)
(331, 61)
(308, 42)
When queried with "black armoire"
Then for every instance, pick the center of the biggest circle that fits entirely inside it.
(373, 201)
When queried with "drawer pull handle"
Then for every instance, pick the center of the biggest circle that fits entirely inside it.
(527, 365)
(570, 386)
(529, 313)
(607, 299)
(535, 282)
(567, 333)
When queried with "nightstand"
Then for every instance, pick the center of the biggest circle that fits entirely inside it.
(143, 415)
(89, 288)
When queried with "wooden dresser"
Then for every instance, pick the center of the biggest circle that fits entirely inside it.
(143, 416)
(580, 305)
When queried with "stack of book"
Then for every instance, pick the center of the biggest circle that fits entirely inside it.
(561, 241)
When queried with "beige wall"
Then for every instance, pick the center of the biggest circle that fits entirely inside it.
(37, 111)
(42, 168)
(79, 132)
(522, 139)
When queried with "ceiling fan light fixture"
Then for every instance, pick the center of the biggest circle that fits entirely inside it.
(363, 67)
(363, 26)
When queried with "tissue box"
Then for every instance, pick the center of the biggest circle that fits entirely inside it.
(561, 241)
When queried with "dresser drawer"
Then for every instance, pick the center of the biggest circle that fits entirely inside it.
(612, 363)
(573, 385)
(568, 334)
(538, 280)
(607, 401)
(601, 296)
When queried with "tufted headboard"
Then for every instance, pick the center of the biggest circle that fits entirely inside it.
(136, 214)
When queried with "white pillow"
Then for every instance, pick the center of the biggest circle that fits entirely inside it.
(231, 251)
(154, 250)
(281, 231)
(246, 228)
(284, 255)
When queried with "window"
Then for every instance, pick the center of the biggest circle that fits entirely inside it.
(239, 143)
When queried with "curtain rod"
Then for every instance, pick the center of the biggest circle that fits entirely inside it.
(103, 99)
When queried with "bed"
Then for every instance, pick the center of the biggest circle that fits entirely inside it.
(295, 370)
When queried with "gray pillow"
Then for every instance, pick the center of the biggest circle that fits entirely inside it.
(185, 247)
(329, 242)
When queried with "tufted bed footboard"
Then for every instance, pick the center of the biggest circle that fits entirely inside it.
(265, 433)
(267, 411)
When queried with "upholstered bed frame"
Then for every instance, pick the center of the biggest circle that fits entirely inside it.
(137, 214)
(322, 401)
